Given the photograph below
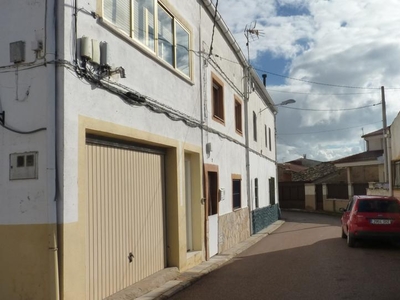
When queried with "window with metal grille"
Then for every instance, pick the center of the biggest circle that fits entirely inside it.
(236, 193)
(256, 192)
(272, 190)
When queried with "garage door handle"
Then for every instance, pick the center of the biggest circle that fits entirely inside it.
(130, 257)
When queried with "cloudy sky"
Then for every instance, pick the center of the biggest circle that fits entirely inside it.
(332, 57)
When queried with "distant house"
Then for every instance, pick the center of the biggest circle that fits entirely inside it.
(395, 156)
(328, 185)
(288, 170)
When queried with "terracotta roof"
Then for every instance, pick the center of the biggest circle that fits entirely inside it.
(313, 173)
(292, 167)
(363, 156)
(304, 162)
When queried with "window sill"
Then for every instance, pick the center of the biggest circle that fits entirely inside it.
(218, 119)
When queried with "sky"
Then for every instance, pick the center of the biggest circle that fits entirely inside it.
(332, 57)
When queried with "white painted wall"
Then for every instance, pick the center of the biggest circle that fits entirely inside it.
(395, 138)
(27, 97)
(374, 143)
(262, 156)
(145, 73)
(230, 156)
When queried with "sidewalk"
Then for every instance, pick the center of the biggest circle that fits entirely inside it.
(182, 280)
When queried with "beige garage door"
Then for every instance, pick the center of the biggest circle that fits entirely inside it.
(126, 239)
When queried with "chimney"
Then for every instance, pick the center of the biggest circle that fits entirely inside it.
(264, 76)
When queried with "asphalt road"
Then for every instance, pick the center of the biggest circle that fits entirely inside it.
(306, 258)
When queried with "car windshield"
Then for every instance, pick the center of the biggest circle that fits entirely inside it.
(379, 206)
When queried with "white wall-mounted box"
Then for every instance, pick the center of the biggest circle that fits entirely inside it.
(24, 165)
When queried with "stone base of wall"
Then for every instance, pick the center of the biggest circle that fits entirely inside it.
(233, 228)
(263, 217)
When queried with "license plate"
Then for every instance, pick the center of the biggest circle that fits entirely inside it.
(380, 221)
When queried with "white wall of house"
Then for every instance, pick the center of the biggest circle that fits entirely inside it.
(145, 73)
(395, 154)
(229, 155)
(395, 138)
(374, 142)
(262, 150)
(30, 95)
(27, 98)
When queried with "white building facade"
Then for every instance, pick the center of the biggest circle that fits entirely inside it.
(127, 144)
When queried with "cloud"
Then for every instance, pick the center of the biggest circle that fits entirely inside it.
(350, 45)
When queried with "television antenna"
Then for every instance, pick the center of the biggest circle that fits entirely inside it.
(250, 32)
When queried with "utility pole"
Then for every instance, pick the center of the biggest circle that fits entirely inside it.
(249, 32)
(384, 132)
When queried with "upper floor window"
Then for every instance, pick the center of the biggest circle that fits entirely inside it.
(218, 100)
(147, 21)
(255, 126)
(266, 135)
(238, 116)
(270, 139)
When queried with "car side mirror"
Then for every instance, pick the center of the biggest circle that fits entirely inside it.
(342, 210)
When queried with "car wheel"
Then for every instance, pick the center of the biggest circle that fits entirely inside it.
(350, 241)
(343, 234)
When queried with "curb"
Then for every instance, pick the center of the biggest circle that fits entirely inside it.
(320, 212)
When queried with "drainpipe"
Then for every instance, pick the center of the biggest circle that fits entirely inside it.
(276, 168)
(202, 133)
(52, 164)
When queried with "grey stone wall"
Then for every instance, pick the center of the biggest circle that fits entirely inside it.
(262, 217)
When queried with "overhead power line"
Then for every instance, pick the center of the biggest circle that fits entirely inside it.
(323, 131)
(323, 94)
(339, 109)
(311, 81)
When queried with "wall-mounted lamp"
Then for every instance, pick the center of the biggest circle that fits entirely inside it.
(286, 102)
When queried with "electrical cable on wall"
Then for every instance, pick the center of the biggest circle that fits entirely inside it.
(134, 98)
(213, 31)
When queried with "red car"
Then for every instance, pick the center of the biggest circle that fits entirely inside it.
(371, 217)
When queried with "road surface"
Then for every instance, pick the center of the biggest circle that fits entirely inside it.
(306, 258)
